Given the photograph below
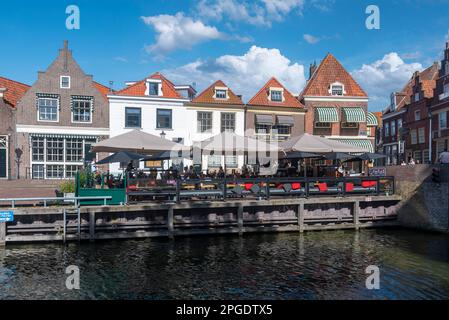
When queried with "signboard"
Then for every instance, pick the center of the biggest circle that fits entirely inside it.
(6, 216)
(377, 172)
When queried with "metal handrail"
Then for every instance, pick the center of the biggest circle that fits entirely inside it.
(76, 200)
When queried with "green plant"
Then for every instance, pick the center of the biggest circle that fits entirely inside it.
(67, 187)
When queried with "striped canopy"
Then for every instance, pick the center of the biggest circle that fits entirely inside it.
(354, 114)
(359, 143)
(371, 120)
(326, 114)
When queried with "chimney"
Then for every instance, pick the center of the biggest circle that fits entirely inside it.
(2, 92)
(312, 69)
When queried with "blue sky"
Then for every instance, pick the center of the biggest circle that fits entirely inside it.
(239, 41)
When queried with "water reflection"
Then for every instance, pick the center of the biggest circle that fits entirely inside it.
(322, 265)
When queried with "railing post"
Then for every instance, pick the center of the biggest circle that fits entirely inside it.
(2, 234)
(170, 223)
(13, 204)
(357, 214)
(92, 223)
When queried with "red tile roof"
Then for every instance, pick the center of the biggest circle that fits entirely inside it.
(14, 90)
(138, 89)
(207, 96)
(262, 97)
(330, 71)
(103, 89)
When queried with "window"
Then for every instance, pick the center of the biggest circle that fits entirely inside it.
(416, 96)
(446, 87)
(154, 88)
(413, 136)
(417, 155)
(228, 122)
(350, 125)
(399, 124)
(38, 171)
(324, 125)
(133, 117)
(387, 129)
(71, 170)
(74, 150)
(164, 119)
(65, 82)
(443, 120)
(48, 109)
(421, 135)
(214, 161)
(221, 94)
(282, 132)
(204, 121)
(426, 157)
(337, 90)
(276, 95)
(231, 161)
(55, 171)
(417, 115)
(81, 110)
(38, 149)
(55, 150)
(393, 128)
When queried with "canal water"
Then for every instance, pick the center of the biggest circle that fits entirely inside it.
(321, 265)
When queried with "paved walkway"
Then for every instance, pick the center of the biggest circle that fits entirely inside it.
(28, 188)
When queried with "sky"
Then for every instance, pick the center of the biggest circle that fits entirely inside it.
(241, 42)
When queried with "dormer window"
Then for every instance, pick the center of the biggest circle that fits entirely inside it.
(337, 89)
(221, 93)
(65, 82)
(154, 87)
(276, 96)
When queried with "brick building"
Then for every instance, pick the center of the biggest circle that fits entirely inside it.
(337, 107)
(58, 119)
(10, 92)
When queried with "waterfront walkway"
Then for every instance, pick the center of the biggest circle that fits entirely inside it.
(28, 188)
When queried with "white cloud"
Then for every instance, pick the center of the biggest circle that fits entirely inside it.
(311, 39)
(259, 13)
(245, 74)
(383, 77)
(178, 31)
(121, 59)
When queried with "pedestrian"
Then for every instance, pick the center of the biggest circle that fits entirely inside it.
(444, 157)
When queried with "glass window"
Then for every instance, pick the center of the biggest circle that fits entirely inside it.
(387, 129)
(164, 119)
(71, 171)
(324, 125)
(48, 109)
(417, 155)
(204, 121)
(276, 96)
(74, 150)
(399, 123)
(38, 149)
(214, 161)
(446, 88)
(282, 132)
(417, 115)
(133, 117)
(154, 88)
(220, 94)
(350, 125)
(413, 136)
(416, 96)
(228, 122)
(55, 150)
(65, 82)
(443, 120)
(82, 110)
(393, 128)
(231, 161)
(337, 90)
(38, 171)
(55, 171)
(421, 135)
(426, 158)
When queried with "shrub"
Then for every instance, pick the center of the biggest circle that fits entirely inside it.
(67, 187)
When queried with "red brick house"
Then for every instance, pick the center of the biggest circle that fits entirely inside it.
(10, 93)
(337, 107)
(440, 108)
(274, 113)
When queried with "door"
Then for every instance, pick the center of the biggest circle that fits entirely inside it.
(3, 158)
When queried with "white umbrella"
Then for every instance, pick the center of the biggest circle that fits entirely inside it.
(315, 144)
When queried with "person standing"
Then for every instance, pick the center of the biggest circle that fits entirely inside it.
(444, 157)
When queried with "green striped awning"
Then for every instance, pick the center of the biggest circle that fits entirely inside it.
(354, 114)
(360, 143)
(326, 114)
(371, 120)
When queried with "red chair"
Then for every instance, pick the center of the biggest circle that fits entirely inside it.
(349, 187)
(296, 186)
(369, 184)
(248, 186)
(323, 187)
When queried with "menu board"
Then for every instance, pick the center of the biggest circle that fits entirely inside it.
(377, 172)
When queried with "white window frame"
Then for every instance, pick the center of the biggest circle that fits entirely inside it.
(224, 89)
(199, 126)
(39, 109)
(416, 117)
(4, 146)
(441, 127)
(60, 82)
(335, 84)
(223, 115)
(393, 128)
(387, 129)
(417, 152)
(417, 96)
(413, 136)
(326, 125)
(421, 135)
(90, 110)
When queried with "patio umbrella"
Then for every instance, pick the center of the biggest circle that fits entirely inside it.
(167, 155)
(367, 157)
(122, 156)
(139, 142)
(338, 156)
(300, 155)
(315, 144)
(229, 142)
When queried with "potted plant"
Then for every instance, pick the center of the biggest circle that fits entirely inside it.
(68, 189)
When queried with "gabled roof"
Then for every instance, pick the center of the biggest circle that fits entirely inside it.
(14, 90)
(103, 89)
(328, 72)
(207, 96)
(138, 89)
(262, 97)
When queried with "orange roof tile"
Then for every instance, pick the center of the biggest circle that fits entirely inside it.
(262, 97)
(138, 89)
(103, 89)
(330, 71)
(14, 90)
(207, 96)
